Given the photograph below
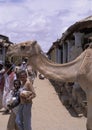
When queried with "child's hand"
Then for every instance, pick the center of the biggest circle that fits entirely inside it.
(9, 106)
(29, 98)
(33, 95)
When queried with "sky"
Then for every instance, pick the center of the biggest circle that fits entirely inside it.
(41, 20)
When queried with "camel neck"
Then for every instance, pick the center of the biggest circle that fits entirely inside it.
(60, 72)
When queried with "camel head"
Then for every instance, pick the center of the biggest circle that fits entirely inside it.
(27, 48)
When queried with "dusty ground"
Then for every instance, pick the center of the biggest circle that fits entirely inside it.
(48, 113)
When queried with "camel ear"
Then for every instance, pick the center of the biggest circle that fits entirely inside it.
(34, 42)
(90, 45)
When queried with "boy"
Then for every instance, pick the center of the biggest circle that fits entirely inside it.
(27, 93)
(12, 103)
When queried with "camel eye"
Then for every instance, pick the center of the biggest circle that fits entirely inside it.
(22, 47)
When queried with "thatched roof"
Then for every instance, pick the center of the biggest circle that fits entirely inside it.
(77, 27)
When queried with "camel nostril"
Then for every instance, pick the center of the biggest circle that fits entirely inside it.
(22, 47)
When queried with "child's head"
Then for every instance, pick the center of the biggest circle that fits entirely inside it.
(17, 84)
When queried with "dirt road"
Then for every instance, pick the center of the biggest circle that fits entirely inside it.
(48, 113)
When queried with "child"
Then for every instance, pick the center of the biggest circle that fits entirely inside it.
(27, 93)
(12, 104)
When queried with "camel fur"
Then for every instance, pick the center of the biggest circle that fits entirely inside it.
(78, 70)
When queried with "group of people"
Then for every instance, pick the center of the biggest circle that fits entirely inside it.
(16, 94)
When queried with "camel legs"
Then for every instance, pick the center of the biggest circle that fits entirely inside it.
(89, 113)
(89, 124)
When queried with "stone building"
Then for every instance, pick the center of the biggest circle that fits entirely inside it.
(73, 41)
(4, 44)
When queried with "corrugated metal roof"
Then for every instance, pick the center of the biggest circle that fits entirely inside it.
(4, 39)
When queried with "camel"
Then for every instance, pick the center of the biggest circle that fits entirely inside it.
(78, 70)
